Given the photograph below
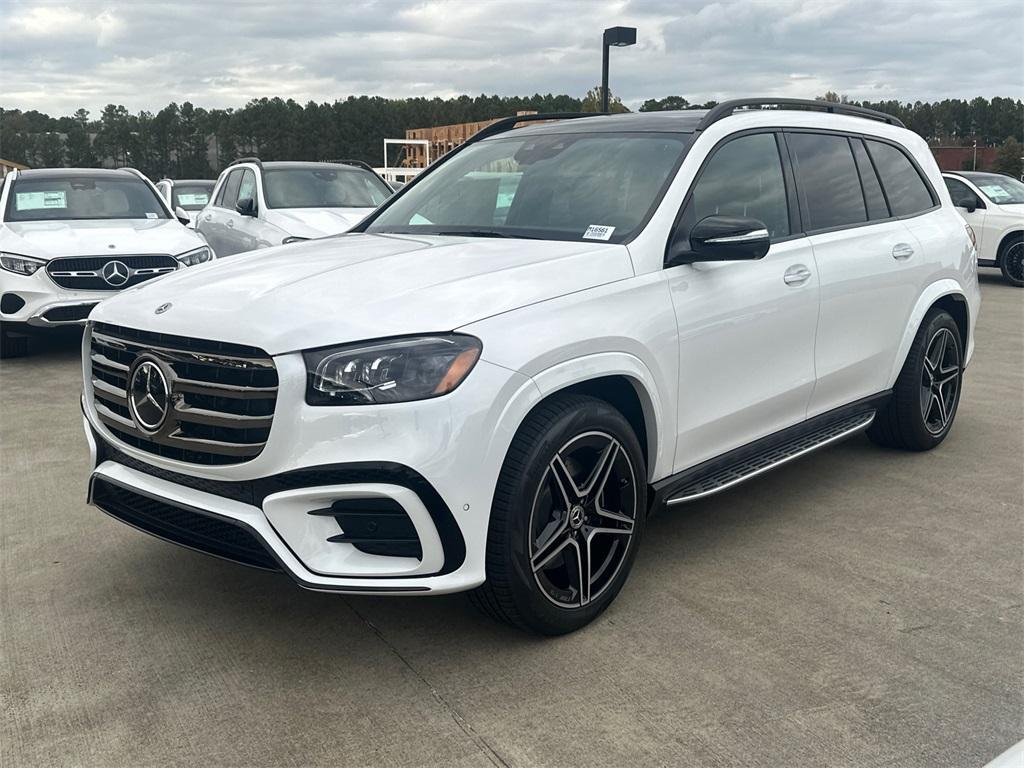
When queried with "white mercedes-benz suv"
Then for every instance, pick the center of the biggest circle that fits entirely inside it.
(553, 331)
(71, 237)
(993, 205)
(259, 205)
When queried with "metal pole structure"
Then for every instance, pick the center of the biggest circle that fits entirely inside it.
(975, 154)
(604, 73)
(620, 37)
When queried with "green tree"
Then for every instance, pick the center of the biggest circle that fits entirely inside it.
(592, 101)
(1008, 158)
(78, 145)
(662, 105)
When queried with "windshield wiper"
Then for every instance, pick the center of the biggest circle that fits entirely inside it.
(474, 233)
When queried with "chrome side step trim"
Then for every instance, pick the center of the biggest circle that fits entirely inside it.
(745, 469)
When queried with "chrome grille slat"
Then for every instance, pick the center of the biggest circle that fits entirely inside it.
(221, 400)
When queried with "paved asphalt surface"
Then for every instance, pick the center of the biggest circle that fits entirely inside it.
(859, 607)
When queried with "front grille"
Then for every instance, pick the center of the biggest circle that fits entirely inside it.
(181, 525)
(68, 314)
(85, 273)
(222, 395)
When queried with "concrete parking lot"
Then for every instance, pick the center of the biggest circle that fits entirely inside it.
(859, 607)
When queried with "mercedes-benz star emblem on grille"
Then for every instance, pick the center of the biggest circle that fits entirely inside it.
(149, 396)
(163, 308)
(115, 273)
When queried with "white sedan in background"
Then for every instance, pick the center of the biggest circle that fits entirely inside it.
(993, 204)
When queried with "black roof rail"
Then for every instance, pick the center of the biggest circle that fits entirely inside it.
(355, 163)
(246, 160)
(726, 108)
(508, 123)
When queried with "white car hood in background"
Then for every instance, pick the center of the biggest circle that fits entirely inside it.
(103, 237)
(316, 222)
(356, 287)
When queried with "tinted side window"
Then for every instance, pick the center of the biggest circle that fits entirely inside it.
(827, 180)
(229, 195)
(247, 187)
(873, 195)
(959, 191)
(742, 178)
(906, 190)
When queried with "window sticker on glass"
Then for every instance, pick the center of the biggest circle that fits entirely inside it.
(598, 232)
(150, 215)
(200, 198)
(33, 201)
(995, 192)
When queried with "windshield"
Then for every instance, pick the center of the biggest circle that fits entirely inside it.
(326, 187)
(49, 198)
(1001, 190)
(563, 186)
(192, 197)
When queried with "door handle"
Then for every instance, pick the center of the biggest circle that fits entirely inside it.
(231, 224)
(209, 217)
(902, 251)
(797, 274)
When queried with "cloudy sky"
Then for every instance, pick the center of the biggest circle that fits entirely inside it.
(58, 56)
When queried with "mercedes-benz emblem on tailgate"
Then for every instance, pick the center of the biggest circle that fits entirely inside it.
(162, 308)
(115, 273)
(149, 395)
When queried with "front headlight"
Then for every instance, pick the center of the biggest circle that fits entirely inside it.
(21, 265)
(389, 371)
(198, 256)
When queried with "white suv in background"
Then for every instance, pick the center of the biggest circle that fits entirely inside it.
(993, 204)
(257, 205)
(551, 332)
(191, 195)
(71, 237)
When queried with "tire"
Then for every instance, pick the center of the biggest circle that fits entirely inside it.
(538, 517)
(12, 344)
(1011, 261)
(927, 393)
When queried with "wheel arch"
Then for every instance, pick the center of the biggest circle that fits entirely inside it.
(1008, 237)
(624, 382)
(947, 294)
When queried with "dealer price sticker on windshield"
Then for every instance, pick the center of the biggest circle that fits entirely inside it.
(598, 232)
(33, 201)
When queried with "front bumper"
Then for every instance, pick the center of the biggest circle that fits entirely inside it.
(43, 303)
(438, 460)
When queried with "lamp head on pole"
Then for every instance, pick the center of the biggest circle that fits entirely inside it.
(620, 37)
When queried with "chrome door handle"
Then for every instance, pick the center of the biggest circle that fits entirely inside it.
(902, 251)
(231, 224)
(209, 217)
(798, 274)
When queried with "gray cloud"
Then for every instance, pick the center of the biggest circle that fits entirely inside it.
(56, 57)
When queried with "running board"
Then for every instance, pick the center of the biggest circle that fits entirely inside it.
(734, 473)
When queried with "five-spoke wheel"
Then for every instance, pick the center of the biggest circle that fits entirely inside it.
(567, 517)
(940, 381)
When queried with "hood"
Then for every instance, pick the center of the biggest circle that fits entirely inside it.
(103, 237)
(316, 222)
(359, 286)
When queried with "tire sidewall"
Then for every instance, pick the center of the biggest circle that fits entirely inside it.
(929, 328)
(1003, 262)
(588, 416)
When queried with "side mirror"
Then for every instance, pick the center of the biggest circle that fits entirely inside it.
(723, 238)
(246, 206)
(182, 215)
(970, 204)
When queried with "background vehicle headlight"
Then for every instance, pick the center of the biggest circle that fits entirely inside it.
(389, 371)
(198, 256)
(22, 265)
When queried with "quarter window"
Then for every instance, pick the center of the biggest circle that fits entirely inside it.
(247, 187)
(960, 191)
(873, 195)
(906, 190)
(743, 178)
(229, 195)
(827, 180)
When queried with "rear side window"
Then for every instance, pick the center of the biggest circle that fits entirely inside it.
(906, 190)
(229, 195)
(827, 180)
(743, 178)
(873, 195)
(960, 192)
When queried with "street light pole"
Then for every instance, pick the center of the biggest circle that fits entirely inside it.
(619, 37)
